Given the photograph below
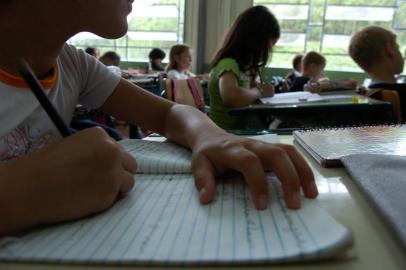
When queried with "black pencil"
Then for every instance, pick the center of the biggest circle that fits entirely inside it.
(32, 81)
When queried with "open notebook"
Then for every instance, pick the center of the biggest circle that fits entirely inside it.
(162, 223)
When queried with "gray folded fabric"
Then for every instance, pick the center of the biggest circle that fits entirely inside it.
(382, 178)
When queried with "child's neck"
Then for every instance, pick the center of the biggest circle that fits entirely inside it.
(39, 44)
(387, 77)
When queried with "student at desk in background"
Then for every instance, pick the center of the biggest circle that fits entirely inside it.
(235, 79)
(312, 80)
(93, 51)
(296, 71)
(156, 56)
(376, 51)
(180, 61)
(46, 179)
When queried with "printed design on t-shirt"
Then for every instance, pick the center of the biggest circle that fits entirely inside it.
(22, 141)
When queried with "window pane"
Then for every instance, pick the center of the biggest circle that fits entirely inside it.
(359, 13)
(326, 26)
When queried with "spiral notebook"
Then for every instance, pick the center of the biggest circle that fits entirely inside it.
(328, 146)
(161, 222)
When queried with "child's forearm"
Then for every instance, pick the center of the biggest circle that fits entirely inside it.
(187, 126)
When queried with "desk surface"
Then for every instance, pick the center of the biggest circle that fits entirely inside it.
(374, 248)
(328, 112)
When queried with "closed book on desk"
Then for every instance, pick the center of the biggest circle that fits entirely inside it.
(161, 222)
(327, 146)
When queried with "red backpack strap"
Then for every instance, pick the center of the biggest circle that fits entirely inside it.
(195, 93)
(174, 83)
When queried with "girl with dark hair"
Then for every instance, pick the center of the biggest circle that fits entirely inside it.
(236, 79)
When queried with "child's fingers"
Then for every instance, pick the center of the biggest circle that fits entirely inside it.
(204, 175)
(128, 162)
(126, 182)
(240, 159)
(305, 173)
(277, 159)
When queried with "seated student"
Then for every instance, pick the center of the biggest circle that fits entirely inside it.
(312, 79)
(156, 56)
(112, 61)
(297, 70)
(110, 58)
(235, 77)
(93, 51)
(376, 51)
(48, 179)
(180, 61)
(313, 64)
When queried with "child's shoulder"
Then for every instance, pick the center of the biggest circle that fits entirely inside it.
(228, 62)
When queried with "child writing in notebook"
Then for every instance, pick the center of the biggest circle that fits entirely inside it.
(235, 79)
(312, 79)
(46, 179)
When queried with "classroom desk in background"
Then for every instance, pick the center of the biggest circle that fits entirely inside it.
(334, 112)
(374, 247)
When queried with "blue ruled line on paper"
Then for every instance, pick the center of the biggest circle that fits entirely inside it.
(219, 229)
(172, 248)
(199, 209)
(247, 220)
(167, 225)
(312, 238)
(146, 218)
(275, 225)
(134, 218)
(287, 217)
(234, 228)
(205, 231)
(263, 234)
(114, 227)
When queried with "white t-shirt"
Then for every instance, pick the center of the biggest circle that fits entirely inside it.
(174, 74)
(25, 126)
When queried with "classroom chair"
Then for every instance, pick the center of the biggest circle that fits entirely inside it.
(390, 96)
(188, 92)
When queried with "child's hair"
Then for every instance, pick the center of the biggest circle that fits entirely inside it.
(313, 57)
(176, 50)
(156, 53)
(91, 50)
(366, 46)
(297, 62)
(249, 39)
(110, 58)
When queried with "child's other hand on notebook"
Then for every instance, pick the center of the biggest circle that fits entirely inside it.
(80, 175)
(222, 152)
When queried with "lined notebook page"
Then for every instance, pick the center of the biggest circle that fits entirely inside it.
(159, 157)
(162, 223)
(165, 157)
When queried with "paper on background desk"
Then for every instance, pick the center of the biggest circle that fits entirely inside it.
(301, 96)
(162, 223)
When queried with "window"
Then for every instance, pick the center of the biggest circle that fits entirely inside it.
(326, 26)
(152, 23)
